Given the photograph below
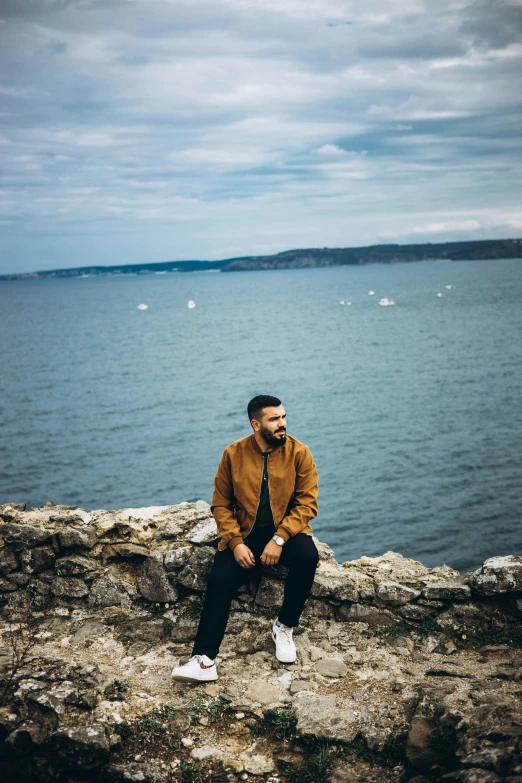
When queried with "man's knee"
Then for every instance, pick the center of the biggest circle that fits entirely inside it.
(223, 573)
(303, 551)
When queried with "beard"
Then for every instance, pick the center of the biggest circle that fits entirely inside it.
(271, 438)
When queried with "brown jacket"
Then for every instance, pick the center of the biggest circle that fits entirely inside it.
(292, 481)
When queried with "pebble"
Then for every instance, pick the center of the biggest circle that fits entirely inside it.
(187, 742)
(239, 715)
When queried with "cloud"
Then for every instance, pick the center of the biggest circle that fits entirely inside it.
(164, 129)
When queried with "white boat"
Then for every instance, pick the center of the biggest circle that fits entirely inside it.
(450, 286)
(344, 302)
(371, 293)
(142, 307)
(385, 302)
(191, 304)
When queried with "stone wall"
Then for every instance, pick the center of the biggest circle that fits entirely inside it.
(391, 654)
(150, 555)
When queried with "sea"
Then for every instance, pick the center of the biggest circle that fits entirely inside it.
(412, 411)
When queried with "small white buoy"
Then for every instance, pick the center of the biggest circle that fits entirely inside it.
(142, 307)
(191, 304)
(439, 294)
(371, 293)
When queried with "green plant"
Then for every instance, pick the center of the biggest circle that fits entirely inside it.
(124, 730)
(115, 689)
(158, 608)
(281, 723)
(316, 767)
(200, 704)
(194, 608)
(392, 753)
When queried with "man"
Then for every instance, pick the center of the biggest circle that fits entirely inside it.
(265, 494)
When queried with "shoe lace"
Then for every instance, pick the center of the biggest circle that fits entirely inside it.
(284, 635)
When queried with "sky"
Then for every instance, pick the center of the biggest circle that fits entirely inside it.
(157, 130)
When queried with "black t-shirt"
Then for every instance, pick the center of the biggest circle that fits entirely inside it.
(264, 517)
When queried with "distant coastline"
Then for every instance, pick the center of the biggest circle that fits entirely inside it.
(303, 258)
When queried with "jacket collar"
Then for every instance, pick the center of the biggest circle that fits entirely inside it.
(254, 444)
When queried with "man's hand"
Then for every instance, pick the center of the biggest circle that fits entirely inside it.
(244, 556)
(271, 553)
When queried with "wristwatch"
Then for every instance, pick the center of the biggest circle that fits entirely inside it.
(278, 540)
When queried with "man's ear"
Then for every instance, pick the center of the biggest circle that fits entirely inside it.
(255, 425)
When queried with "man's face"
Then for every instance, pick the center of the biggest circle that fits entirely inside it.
(272, 426)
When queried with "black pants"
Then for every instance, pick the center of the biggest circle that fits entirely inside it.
(226, 576)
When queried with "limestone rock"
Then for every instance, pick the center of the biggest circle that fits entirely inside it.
(319, 716)
(109, 591)
(333, 582)
(359, 613)
(270, 593)
(23, 536)
(331, 667)
(263, 692)
(203, 532)
(12, 582)
(195, 573)
(28, 735)
(9, 511)
(325, 552)
(177, 558)
(57, 697)
(153, 582)
(123, 551)
(206, 752)
(299, 685)
(184, 630)
(8, 561)
(415, 611)
(497, 575)
(74, 565)
(81, 537)
(419, 750)
(143, 629)
(69, 587)
(255, 762)
(390, 565)
(446, 591)
(394, 593)
(91, 630)
(81, 747)
(37, 559)
(167, 531)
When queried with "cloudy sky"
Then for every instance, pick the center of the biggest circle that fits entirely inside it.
(151, 130)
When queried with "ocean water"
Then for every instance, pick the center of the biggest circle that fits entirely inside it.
(413, 412)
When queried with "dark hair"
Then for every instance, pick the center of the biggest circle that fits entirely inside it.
(256, 405)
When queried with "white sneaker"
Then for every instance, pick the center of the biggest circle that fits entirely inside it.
(285, 647)
(200, 668)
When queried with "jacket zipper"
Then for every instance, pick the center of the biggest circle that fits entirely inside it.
(269, 493)
(259, 496)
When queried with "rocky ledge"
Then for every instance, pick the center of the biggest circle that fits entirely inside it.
(403, 672)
